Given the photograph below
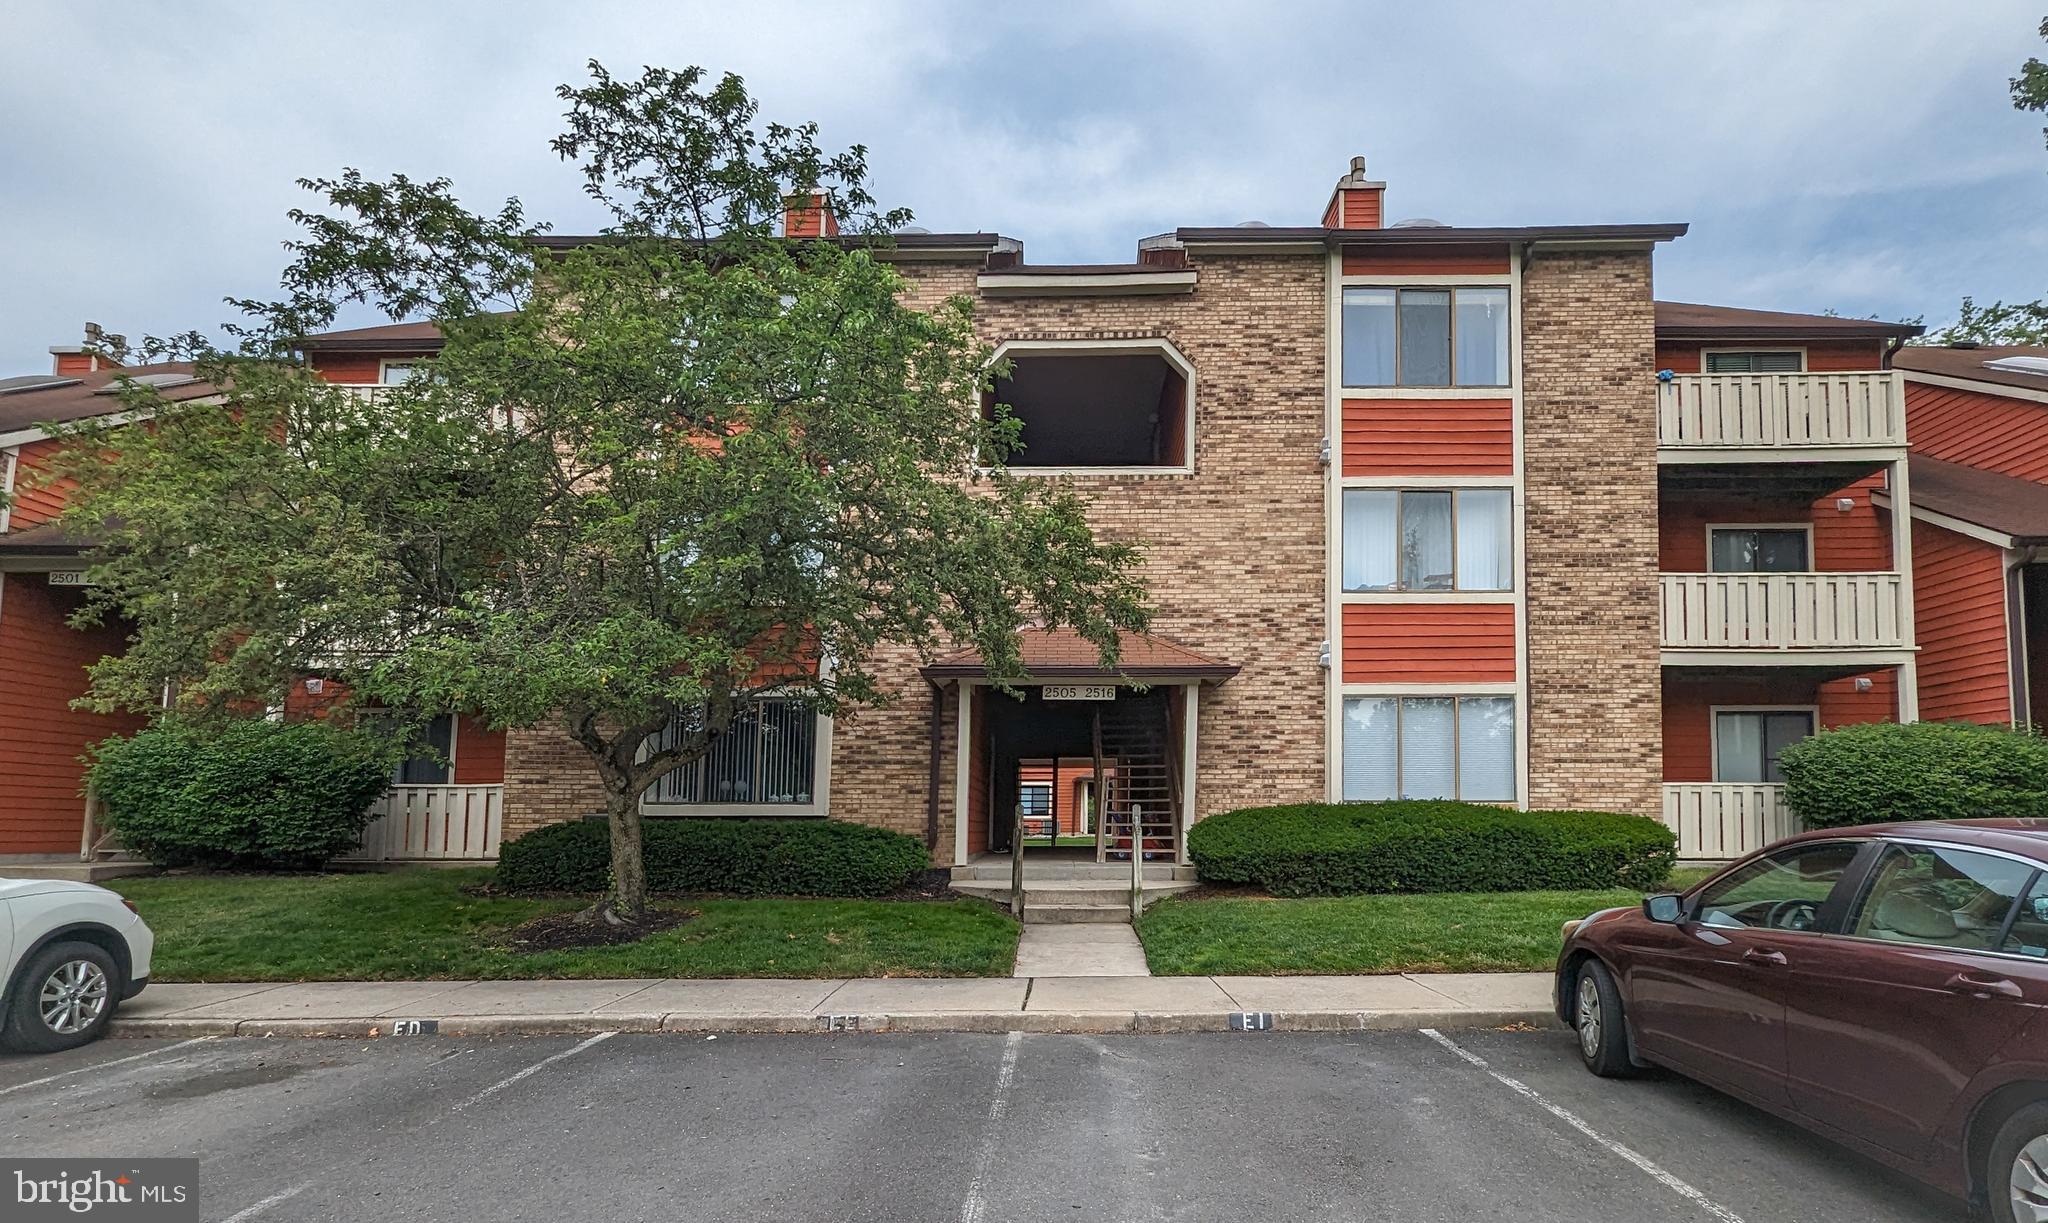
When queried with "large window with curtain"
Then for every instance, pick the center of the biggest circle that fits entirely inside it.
(1427, 337)
(1429, 747)
(766, 757)
(1428, 539)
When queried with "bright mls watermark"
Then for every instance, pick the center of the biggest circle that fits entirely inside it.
(158, 1190)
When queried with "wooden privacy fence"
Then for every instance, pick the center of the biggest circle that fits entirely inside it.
(434, 824)
(1720, 820)
(1718, 411)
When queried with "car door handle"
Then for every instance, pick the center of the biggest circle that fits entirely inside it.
(1755, 955)
(1982, 987)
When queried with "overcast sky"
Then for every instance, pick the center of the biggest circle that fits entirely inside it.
(1858, 155)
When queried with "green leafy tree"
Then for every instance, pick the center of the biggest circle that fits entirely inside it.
(2020, 322)
(650, 481)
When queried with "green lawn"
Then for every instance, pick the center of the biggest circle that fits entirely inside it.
(420, 924)
(1482, 932)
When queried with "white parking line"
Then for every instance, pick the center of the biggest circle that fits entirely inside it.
(536, 1068)
(1570, 1118)
(250, 1212)
(975, 1206)
(133, 1057)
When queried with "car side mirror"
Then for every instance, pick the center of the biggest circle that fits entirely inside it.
(1665, 907)
(2040, 906)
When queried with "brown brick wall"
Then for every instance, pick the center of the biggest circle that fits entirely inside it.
(1235, 555)
(1589, 438)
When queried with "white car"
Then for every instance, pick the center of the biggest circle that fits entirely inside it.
(69, 954)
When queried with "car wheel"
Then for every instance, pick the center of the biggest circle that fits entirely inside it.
(1597, 1022)
(66, 996)
(2017, 1177)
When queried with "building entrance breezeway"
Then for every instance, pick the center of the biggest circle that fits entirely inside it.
(1071, 768)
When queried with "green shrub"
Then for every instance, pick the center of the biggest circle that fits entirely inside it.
(1882, 771)
(249, 793)
(1342, 849)
(754, 857)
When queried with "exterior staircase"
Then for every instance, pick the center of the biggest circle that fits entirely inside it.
(1145, 789)
(1068, 889)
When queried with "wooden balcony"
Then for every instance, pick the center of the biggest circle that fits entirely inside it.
(1800, 619)
(1709, 418)
(1717, 821)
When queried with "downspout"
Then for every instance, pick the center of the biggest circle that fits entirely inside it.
(931, 794)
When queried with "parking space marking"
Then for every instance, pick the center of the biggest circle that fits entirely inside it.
(534, 1069)
(133, 1057)
(250, 1212)
(974, 1207)
(1570, 1118)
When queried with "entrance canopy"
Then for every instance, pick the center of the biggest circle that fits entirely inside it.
(1063, 654)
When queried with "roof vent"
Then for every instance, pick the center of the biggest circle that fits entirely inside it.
(1419, 223)
(156, 380)
(1965, 344)
(913, 229)
(1253, 225)
(34, 382)
(2037, 366)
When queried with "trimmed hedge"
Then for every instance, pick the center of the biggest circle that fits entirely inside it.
(1881, 771)
(250, 793)
(1344, 849)
(750, 857)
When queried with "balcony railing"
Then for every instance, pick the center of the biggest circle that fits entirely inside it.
(1701, 412)
(434, 823)
(1784, 611)
(1721, 820)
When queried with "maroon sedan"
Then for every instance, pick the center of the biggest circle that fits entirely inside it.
(1884, 986)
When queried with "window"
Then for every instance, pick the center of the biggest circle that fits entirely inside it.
(391, 373)
(1034, 803)
(1429, 747)
(2029, 932)
(768, 756)
(1941, 897)
(1426, 337)
(1747, 741)
(1758, 549)
(1782, 891)
(1090, 407)
(432, 750)
(1396, 539)
(1764, 361)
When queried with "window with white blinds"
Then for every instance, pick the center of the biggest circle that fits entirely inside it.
(767, 756)
(1767, 361)
(1429, 747)
(1428, 539)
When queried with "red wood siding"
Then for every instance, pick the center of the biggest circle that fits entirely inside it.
(1980, 429)
(1689, 701)
(41, 736)
(1683, 357)
(1356, 208)
(34, 506)
(1959, 621)
(1858, 541)
(1461, 259)
(1429, 437)
(1429, 643)
(348, 367)
(479, 753)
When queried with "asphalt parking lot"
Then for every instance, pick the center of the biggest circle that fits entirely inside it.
(978, 1128)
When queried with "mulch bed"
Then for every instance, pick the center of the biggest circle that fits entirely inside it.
(569, 931)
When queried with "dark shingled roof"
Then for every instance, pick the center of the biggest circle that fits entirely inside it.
(1065, 654)
(1692, 321)
(1988, 499)
(1969, 363)
(49, 539)
(83, 396)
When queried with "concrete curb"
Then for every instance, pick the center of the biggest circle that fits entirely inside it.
(1039, 1022)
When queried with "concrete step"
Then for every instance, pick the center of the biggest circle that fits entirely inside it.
(1065, 914)
(1070, 891)
(74, 870)
(998, 870)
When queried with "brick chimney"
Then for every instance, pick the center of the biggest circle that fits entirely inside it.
(1357, 201)
(98, 352)
(808, 214)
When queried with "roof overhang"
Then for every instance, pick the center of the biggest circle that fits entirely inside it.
(1085, 282)
(1280, 239)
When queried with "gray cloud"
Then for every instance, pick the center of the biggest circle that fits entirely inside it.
(1853, 154)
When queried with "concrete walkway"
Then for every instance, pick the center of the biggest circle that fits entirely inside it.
(907, 1004)
(1080, 949)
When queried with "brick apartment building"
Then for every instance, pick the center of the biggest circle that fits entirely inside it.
(1428, 510)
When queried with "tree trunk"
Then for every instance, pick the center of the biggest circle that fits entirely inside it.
(626, 903)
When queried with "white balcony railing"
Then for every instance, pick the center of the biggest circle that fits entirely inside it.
(434, 823)
(1784, 611)
(1717, 821)
(1781, 411)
